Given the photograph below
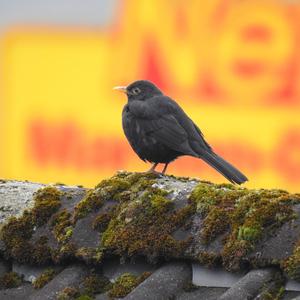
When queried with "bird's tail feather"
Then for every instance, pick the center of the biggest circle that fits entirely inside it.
(224, 167)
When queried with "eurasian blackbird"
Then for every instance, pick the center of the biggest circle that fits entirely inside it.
(159, 130)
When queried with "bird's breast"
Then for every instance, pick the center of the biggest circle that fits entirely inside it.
(145, 145)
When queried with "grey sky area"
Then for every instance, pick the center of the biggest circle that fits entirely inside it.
(57, 12)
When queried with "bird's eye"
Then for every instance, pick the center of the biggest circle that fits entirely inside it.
(136, 91)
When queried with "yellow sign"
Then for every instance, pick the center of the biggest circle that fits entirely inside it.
(233, 66)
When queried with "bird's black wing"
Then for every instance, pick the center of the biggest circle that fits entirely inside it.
(162, 126)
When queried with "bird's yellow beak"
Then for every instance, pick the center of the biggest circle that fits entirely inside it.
(122, 89)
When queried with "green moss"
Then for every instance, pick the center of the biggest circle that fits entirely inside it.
(216, 222)
(144, 276)
(89, 255)
(291, 265)
(10, 280)
(161, 203)
(145, 225)
(265, 295)
(276, 295)
(16, 235)
(91, 202)
(44, 278)
(62, 226)
(209, 259)
(126, 283)
(274, 289)
(46, 203)
(17, 232)
(115, 188)
(101, 221)
(84, 297)
(68, 293)
(255, 215)
(140, 219)
(249, 233)
(206, 195)
(95, 284)
(41, 252)
(245, 215)
(64, 254)
(234, 251)
(123, 285)
(121, 186)
(68, 232)
(114, 185)
(59, 184)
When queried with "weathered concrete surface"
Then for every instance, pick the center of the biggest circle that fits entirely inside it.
(254, 283)
(71, 276)
(144, 221)
(30, 273)
(125, 203)
(165, 283)
(19, 293)
(203, 293)
(16, 196)
(113, 268)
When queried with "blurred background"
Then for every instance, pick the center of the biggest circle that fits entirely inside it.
(232, 65)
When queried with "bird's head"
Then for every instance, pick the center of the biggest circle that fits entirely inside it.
(139, 90)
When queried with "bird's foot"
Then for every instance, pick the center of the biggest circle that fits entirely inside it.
(153, 171)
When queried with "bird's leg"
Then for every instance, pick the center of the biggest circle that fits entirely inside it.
(152, 169)
(165, 168)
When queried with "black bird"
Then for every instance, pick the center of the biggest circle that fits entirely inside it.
(159, 131)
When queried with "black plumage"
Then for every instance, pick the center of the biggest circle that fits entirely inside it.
(159, 130)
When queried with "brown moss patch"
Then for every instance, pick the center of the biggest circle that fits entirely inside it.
(112, 186)
(245, 216)
(115, 188)
(291, 265)
(89, 255)
(46, 203)
(207, 195)
(44, 278)
(137, 218)
(68, 293)
(91, 202)
(10, 280)
(125, 284)
(84, 297)
(96, 284)
(17, 232)
(216, 222)
(144, 226)
(41, 252)
(209, 259)
(101, 221)
(62, 226)
(65, 253)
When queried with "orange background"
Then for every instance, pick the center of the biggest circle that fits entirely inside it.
(232, 65)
